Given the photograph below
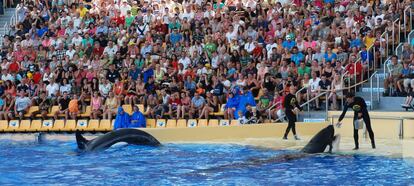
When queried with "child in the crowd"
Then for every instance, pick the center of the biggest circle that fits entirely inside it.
(242, 119)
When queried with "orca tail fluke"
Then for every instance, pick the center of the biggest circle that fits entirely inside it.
(80, 140)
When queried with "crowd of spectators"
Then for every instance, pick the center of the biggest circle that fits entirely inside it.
(187, 58)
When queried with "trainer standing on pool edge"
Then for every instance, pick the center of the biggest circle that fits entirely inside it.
(292, 108)
(360, 111)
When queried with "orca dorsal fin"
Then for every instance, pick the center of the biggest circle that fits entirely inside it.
(81, 141)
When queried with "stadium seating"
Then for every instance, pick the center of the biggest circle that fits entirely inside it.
(193, 123)
(58, 125)
(150, 123)
(31, 110)
(160, 123)
(213, 122)
(24, 126)
(105, 125)
(171, 123)
(203, 122)
(224, 122)
(36, 125)
(81, 125)
(93, 125)
(87, 113)
(13, 126)
(181, 123)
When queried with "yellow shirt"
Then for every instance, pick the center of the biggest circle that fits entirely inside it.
(82, 12)
(369, 41)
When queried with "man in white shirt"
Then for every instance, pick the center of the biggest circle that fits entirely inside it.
(249, 46)
(124, 8)
(210, 12)
(70, 52)
(52, 90)
(142, 28)
(77, 39)
(313, 87)
(185, 60)
(105, 87)
(231, 33)
(22, 105)
(111, 49)
(270, 45)
(188, 13)
(77, 20)
(64, 19)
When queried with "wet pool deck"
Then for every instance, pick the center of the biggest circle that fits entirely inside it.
(399, 148)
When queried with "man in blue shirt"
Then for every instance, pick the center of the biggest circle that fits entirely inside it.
(133, 72)
(366, 56)
(296, 56)
(288, 43)
(148, 72)
(190, 85)
(355, 41)
(175, 37)
(197, 104)
(102, 29)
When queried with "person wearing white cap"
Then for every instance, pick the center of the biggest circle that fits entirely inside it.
(124, 8)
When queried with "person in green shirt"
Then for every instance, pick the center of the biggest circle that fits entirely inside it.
(129, 19)
(264, 102)
(303, 69)
(134, 8)
(210, 47)
(87, 40)
(175, 24)
(245, 57)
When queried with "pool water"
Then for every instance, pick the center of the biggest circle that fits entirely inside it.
(57, 162)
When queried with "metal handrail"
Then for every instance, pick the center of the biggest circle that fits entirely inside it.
(297, 92)
(400, 131)
(314, 98)
(393, 33)
(408, 8)
(324, 92)
(371, 91)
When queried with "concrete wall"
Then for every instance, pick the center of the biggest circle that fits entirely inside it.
(221, 133)
(384, 129)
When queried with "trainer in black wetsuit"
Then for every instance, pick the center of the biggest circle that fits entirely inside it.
(290, 104)
(360, 111)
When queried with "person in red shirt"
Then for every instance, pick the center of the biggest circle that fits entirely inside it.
(257, 51)
(14, 67)
(175, 105)
(118, 18)
(37, 76)
(359, 17)
(97, 49)
(189, 72)
(354, 67)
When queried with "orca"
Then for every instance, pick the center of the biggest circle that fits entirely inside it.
(130, 136)
(323, 139)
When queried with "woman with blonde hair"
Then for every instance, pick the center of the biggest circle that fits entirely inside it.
(336, 91)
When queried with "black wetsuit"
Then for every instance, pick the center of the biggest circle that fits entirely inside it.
(290, 103)
(359, 106)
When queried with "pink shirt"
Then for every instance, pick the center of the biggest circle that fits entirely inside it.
(308, 44)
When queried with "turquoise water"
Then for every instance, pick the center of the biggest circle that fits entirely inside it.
(56, 162)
